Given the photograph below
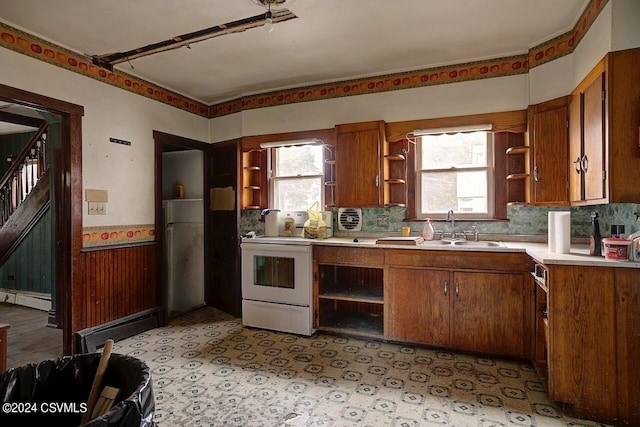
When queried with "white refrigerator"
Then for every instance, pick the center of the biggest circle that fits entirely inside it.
(184, 255)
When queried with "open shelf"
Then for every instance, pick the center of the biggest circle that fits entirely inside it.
(363, 324)
(394, 169)
(254, 179)
(517, 176)
(517, 170)
(350, 299)
(330, 177)
(517, 150)
(369, 294)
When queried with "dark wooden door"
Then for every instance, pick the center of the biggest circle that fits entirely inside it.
(222, 246)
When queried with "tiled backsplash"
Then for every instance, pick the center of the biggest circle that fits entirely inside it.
(523, 220)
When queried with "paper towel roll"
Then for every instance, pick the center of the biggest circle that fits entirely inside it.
(562, 230)
(551, 235)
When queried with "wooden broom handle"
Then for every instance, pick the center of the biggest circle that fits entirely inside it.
(97, 381)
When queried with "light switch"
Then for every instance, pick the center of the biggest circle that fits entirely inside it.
(97, 208)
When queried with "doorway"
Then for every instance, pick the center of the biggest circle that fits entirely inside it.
(180, 222)
(66, 211)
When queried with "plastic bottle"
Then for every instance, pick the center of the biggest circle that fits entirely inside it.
(595, 240)
(427, 231)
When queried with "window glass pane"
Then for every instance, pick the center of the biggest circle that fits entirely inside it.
(457, 150)
(464, 192)
(297, 194)
(299, 160)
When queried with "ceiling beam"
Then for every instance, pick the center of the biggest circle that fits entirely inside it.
(111, 59)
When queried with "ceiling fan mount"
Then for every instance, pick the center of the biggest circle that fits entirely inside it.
(267, 3)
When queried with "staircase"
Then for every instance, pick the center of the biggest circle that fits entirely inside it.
(24, 193)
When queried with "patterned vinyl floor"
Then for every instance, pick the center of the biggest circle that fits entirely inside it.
(209, 370)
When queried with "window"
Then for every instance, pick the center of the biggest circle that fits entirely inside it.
(297, 175)
(455, 172)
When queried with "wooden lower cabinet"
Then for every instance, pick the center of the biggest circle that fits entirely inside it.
(628, 344)
(594, 349)
(488, 312)
(475, 311)
(417, 302)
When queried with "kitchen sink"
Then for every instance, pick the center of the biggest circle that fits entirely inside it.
(481, 243)
(466, 243)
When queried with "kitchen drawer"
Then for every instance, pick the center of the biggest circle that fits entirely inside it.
(349, 256)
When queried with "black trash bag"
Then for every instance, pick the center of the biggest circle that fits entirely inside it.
(55, 392)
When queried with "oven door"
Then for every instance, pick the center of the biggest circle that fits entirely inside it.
(277, 273)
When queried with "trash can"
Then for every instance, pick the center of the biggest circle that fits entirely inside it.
(55, 392)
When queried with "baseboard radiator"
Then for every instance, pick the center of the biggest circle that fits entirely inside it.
(89, 340)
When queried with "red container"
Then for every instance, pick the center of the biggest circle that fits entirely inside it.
(616, 249)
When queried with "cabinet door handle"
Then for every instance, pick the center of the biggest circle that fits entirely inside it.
(584, 163)
(577, 165)
(446, 287)
(378, 180)
(457, 288)
(536, 178)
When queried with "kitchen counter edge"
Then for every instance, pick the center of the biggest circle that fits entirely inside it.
(578, 255)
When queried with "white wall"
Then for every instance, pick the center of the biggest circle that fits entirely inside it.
(551, 80)
(626, 31)
(548, 81)
(472, 97)
(185, 168)
(593, 46)
(126, 172)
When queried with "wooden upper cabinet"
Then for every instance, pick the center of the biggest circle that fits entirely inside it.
(549, 140)
(575, 147)
(358, 164)
(592, 162)
(604, 135)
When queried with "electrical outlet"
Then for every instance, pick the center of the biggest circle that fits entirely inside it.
(383, 220)
(97, 208)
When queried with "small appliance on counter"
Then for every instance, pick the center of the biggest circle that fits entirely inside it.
(271, 222)
(634, 253)
(298, 218)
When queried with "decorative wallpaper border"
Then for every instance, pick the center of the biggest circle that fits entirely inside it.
(117, 235)
(19, 41)
(497, 67)
(567, 42)
(35, 47)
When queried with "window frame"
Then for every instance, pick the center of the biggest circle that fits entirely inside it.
(490, 169)
(274, 178)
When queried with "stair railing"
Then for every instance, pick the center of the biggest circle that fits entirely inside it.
(23, 174)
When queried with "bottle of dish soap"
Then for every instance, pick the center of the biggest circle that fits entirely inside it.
(595, 240)
(427, 231)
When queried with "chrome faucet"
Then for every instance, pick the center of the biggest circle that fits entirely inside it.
(452, 218)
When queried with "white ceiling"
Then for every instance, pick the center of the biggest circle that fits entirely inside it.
(331, 40)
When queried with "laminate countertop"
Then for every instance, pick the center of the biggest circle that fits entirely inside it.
(578, 254)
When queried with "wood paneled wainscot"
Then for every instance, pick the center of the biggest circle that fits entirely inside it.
(476, 301)
(117, 282)
(594, 349)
